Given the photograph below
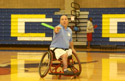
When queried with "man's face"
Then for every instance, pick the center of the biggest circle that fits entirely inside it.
(64, 21)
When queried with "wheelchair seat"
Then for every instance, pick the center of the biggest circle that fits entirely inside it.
(54, 57)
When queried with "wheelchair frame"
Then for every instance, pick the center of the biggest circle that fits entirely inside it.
(47, 62)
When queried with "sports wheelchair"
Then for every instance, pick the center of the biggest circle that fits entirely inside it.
(49, 64)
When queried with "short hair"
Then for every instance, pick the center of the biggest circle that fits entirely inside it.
(89, 17)
(63, 15)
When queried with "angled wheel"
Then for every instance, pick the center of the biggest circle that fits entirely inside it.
(45, 64)
(75, 65)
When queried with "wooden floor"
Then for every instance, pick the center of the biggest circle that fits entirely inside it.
(21, 64)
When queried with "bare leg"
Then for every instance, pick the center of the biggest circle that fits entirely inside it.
(65, 65)
(88, 44)
(64, 59)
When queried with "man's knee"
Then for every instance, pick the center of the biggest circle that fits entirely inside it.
(64, 55)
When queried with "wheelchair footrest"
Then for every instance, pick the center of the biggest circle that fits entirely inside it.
(56, 73)
(61, 74)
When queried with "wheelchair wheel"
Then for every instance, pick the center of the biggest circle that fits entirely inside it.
(45, 64)
(76, 65)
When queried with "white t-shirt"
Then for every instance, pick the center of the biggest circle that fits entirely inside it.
(62, 39)
(90, 27)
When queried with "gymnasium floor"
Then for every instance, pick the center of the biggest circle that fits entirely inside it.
(97, 65)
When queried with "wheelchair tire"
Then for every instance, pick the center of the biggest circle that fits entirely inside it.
(76, 65)
(45, 64)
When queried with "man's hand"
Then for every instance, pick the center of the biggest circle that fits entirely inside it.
(95, 26)
(57, 29)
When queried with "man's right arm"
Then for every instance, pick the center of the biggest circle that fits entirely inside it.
(57, 29)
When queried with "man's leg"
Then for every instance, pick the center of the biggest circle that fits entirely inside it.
(64, 59)
(88, 44)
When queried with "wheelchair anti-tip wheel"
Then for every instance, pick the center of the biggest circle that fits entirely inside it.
(45, 64)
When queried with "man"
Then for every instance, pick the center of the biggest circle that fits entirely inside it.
(90, 30)
(62, 41)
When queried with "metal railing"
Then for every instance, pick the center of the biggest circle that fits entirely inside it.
(76, 13)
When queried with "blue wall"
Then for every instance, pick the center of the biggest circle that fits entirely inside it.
(36, 27)
(96, 14)
(30, 27)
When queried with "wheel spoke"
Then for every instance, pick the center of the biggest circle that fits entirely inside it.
(44, 65)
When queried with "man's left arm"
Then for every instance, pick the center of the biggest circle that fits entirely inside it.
(72, 47)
